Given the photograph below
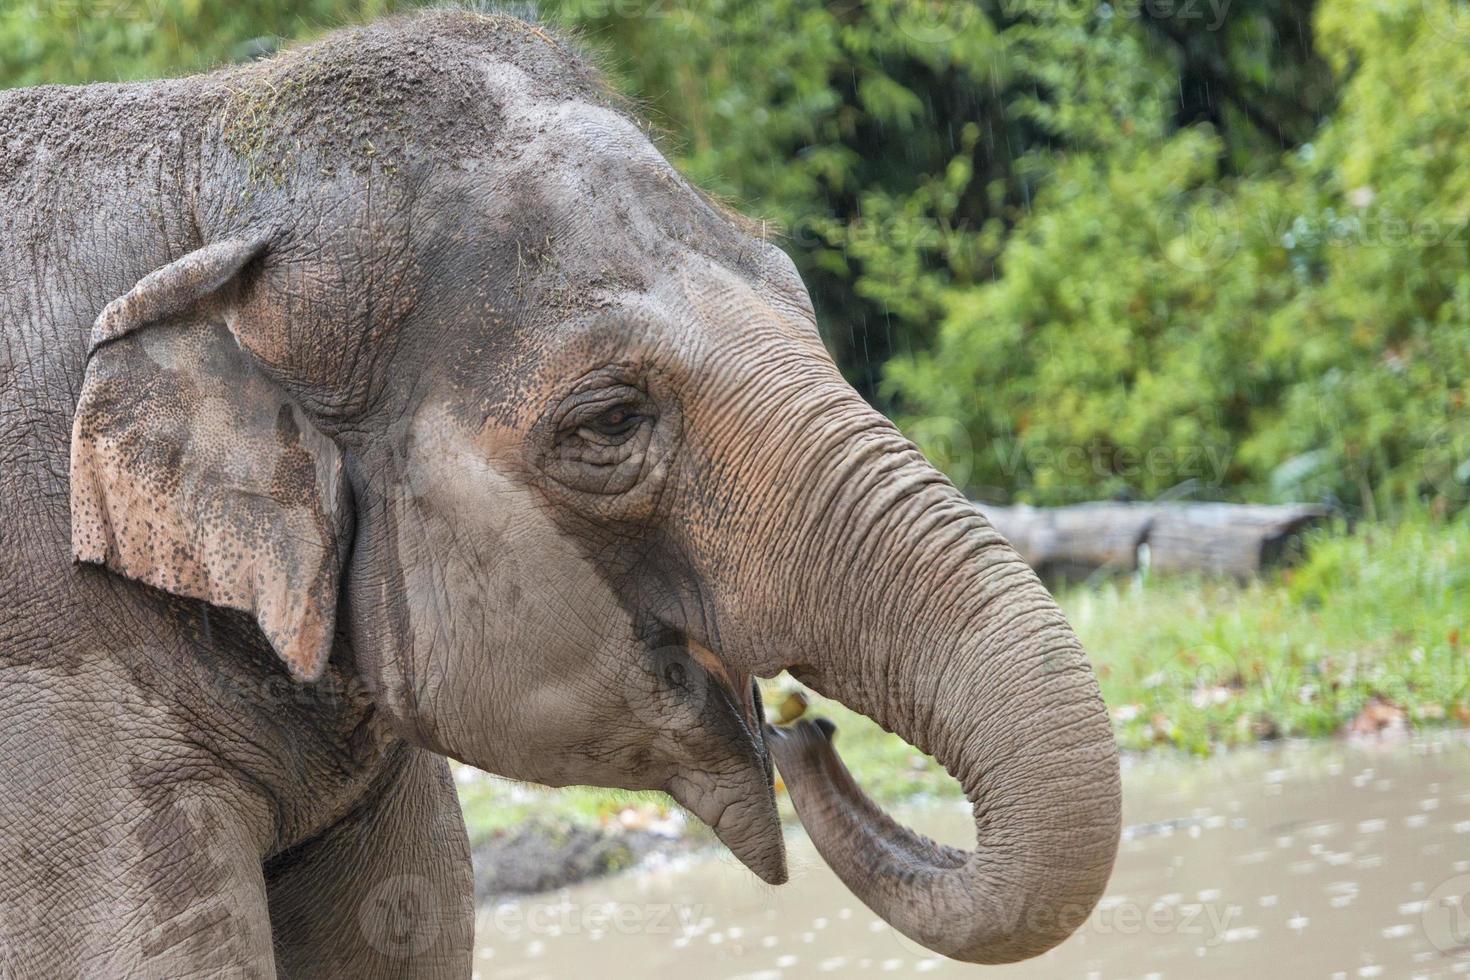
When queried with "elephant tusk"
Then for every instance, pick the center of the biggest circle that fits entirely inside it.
(738, 683)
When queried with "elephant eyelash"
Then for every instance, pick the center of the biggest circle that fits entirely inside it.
(613, 425)
(606, 418)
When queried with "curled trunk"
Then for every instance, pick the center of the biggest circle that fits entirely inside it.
(939, 632)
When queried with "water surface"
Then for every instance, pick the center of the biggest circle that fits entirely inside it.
(1322, 860)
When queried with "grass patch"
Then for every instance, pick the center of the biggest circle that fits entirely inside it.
(493, 805)
(1376, 620)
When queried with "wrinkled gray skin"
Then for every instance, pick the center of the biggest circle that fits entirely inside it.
(394, 399)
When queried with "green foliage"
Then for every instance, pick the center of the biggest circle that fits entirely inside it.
(1299, 332)
(890, 141)
(898, 141)
(1084, 370)
(1376, 345)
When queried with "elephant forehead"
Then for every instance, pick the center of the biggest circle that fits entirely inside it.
(532, 116)
(602, 190)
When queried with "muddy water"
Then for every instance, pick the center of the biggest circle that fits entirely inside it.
(1302, 861)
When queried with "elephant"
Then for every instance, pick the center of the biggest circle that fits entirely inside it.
(394, 400)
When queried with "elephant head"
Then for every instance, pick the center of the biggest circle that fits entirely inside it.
(462, 385)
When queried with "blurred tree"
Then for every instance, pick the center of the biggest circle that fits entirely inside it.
(1302, 332)
(1248, 68)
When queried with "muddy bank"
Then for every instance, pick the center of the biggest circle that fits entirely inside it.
(544, 855)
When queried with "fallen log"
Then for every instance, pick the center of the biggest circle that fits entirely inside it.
(1239, 540)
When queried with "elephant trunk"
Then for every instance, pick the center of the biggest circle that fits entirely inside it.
(922, 617)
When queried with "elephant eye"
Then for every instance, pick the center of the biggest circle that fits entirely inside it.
(675, 675)
(598, 438)
(613, 425)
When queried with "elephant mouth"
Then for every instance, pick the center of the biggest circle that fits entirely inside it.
(736, 798)
(742, 694)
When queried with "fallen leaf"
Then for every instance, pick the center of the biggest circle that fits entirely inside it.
(1379, 718)
(792, 707)
(1257, 727)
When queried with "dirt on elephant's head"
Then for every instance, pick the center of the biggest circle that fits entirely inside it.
(375, 98)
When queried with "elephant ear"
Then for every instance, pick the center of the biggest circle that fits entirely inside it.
(194, 472)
